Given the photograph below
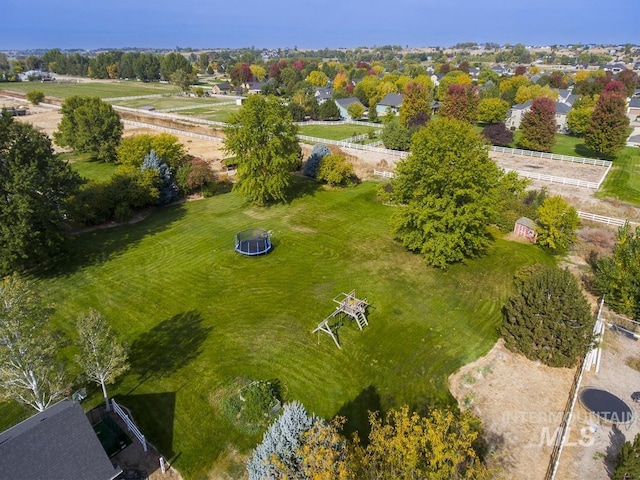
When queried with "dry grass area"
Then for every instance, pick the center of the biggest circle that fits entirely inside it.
(519, 402)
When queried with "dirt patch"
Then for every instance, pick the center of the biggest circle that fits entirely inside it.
(592, 445)
(519, 402)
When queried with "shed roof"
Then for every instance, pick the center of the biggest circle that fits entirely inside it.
(58, 443)
(527, 222)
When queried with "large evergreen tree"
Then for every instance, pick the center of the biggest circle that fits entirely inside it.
(549, 318)
(451, 193)
(539, 126)
(34, 188)
(262, 136)
(91, 126)
(607, 130)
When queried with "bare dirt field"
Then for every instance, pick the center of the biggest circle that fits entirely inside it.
(520, 403)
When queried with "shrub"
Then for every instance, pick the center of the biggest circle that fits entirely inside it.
(35, 96)
(250, 407)
(312, 164)
(396, 137)
(628, 461)
(335, 170)
(498, 134)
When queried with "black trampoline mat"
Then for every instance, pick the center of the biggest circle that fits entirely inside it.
(606, 405)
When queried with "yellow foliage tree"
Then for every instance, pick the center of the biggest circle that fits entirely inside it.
(407, 446)
(379, 69)
(529, 92)
(258, 72)
(340, 81)
(317, 79)
(382, 89)
(514, 83)
(325, 452)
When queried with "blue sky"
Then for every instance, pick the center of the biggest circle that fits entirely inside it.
(311, 24)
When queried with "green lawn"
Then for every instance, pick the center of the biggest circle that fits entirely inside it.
(97, 89)
(218, 114)
(198, 315)
(90, 169)
(335, 132)
(623, 180)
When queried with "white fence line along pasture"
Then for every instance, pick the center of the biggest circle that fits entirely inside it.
(384, 174)
(355, 146)
(130, 425)
(553, 179)
(602, 219)
(174, 131)
(171, 116)
(137, 97)
(194, 106)
(552, 156)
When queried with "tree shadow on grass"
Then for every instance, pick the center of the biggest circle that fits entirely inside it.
(168, 347)
(582, 150)
(103, 244)
(154, 414)
(356, 412)
(302, 186)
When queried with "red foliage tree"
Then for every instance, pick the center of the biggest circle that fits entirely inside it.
(556, 80)
(240, 74)
(498, 134)
(464, 66)
(444, 68)
(461, 102)
(539, 126)
(629, 79)
(520, 70)
(607, 130)
(615, 88)
(298, 65)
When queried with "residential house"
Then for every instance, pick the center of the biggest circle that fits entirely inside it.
(343, 105)
(57, 443)
(501, 70)
(391, 101)
(323, 94)
(614, 67)
(633, 111)
(514, 118)
(567, 96)
(221, 88)
(254, 87)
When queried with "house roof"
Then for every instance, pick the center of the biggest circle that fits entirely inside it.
(324, 93)
(391, 100)
(345, 102)
(58, 443)
(561, 108)
(527, 222)
(634, 102)
(224, 86)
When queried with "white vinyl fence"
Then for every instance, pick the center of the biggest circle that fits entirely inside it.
(552, 156)
(130, 425)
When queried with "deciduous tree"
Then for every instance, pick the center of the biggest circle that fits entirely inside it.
(29, 371)
(335, 170)
(103, 357)
(449, 187)
(132, 150)
(607, 130)
(498, 134)
(328, 110)
(557, 223)
(492, 110)
(416, 104)
(396, 136)
(317, 79)
(405, 445)
(618, 276)
(460, 102)
(35, 96)
(578, 120)
(549, 318)
(262, 137)
(356, 110)
(539, 126)
(91, 126)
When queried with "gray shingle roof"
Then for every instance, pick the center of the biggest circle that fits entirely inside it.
(527, 222)
(345, 102)
(391, 100)
(634, 102)
(56, 444)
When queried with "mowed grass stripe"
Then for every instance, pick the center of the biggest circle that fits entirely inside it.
(198, 315)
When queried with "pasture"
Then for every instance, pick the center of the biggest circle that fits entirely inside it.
(175, 101)
(198, 315)
(93, 89)
(623, 181)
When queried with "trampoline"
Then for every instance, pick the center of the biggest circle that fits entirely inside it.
(606, 405)
(253, 242)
